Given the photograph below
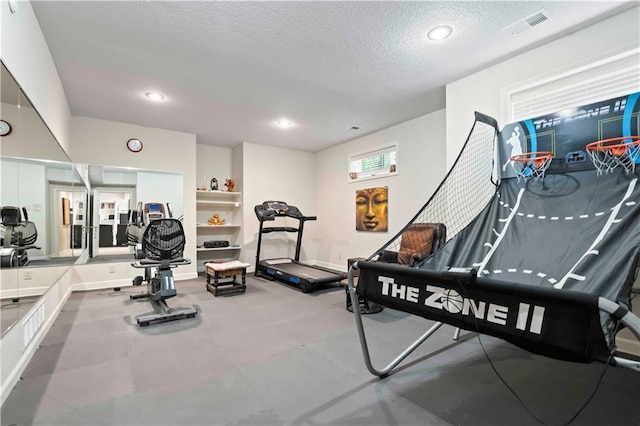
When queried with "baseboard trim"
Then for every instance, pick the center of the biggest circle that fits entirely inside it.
(30, 350)
(102, 285)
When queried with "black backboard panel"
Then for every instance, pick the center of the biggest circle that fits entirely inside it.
(566, 133)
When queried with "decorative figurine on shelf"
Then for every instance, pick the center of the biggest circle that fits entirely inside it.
(230, 184)
(202, 184)
(214, 184)
(215, 220)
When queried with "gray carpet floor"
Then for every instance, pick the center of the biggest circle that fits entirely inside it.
(276, 356)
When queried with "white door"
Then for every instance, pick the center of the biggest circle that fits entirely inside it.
(109, 206)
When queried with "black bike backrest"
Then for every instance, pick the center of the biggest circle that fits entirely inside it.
(163, 239)
(10, 216)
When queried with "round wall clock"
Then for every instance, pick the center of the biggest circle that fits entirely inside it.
(134, 145)
(5, 128)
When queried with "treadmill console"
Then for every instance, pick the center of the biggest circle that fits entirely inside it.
(153, 211)
(279, 207)
(271, 209)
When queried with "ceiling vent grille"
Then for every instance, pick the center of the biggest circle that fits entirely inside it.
(528, 22)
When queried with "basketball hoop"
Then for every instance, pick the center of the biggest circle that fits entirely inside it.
(608, 154)
(531, 164)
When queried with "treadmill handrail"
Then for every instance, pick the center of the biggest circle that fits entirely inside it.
(279, 229)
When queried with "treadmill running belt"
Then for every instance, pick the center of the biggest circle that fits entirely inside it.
(307, 272)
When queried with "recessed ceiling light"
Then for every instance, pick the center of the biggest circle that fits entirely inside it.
(155, 96)
(440, 33)
(284, 123)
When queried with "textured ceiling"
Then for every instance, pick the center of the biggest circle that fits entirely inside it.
(231, 69)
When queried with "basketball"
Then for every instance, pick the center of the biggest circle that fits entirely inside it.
(452, 301)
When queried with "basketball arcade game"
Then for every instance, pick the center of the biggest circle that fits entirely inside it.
(543, 246)
(291, 271)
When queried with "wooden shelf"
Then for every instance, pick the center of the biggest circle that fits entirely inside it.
(217, 203)
(228, 205)
(218, 193)
(218, 249)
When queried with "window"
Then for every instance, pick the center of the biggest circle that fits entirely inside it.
(605, 79)
(379, 162)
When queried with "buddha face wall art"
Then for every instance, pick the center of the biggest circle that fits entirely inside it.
(371, 209)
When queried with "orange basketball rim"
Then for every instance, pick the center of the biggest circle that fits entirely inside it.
(536, 158)
(615, 146)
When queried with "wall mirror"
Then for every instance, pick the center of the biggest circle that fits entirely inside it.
(43, 229)
(114, 192)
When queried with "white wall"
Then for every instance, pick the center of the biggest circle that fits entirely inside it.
(10, 194)
(119, 178)
(421, 166)
(16, 356)
(213, 162)
(29, 138)
(482, 91)
(161, 188)
(280, 174)
(25, 282)
(24, 51)
(237, 172)
(103, 142)
(32, 195)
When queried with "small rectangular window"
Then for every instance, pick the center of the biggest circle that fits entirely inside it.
(608, 78)
(379, 162)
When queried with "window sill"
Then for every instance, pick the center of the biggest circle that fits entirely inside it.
(371, 177)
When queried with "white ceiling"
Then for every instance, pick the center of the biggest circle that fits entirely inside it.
(231, 69)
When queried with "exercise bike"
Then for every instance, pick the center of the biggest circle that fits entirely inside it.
(137, 224)
(162, 248)
(20, 235)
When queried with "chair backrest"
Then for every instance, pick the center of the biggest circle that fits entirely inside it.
(419, 241)
(24, 232)
(163, 239)
(11, 216)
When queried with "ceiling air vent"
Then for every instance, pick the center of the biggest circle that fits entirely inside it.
(527, 22)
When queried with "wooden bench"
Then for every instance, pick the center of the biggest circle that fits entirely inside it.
(227, 271)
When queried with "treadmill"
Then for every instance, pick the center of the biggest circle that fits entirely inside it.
(291, 271)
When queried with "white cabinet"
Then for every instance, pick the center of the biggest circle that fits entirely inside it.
(226, 205)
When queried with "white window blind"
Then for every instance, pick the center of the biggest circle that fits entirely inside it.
(606, 79)
(374, 163)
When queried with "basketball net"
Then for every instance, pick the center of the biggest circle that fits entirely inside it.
(531, 165)
(610, 153)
